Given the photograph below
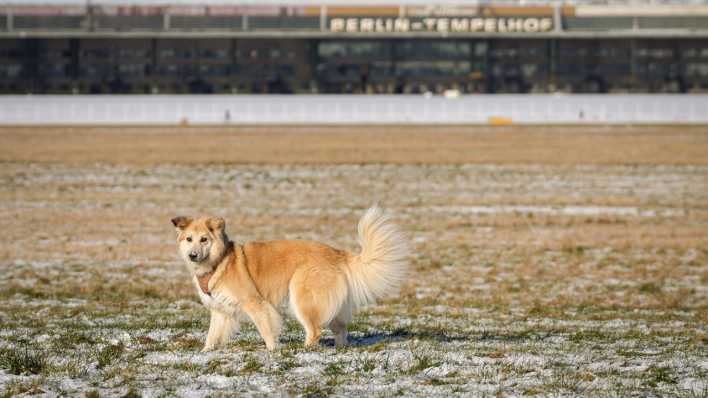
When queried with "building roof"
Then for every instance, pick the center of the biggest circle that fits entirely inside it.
(354, 2)
(356, 18)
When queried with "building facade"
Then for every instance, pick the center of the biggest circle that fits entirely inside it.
(223, 48)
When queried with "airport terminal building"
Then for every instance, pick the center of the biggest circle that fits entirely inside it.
(404, 46)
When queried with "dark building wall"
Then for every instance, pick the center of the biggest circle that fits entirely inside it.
(352, 65)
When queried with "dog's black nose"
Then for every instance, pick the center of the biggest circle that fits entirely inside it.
(193, 256)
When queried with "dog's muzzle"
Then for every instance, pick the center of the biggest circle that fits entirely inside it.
(194, 257)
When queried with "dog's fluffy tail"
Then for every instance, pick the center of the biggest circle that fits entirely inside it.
(382, 265)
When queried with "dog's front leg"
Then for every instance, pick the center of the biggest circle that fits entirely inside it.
(266, 319)
(232, 325)
(217, 326)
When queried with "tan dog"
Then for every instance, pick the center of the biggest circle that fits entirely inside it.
(324, 284)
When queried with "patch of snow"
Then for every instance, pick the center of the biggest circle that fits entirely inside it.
(698, 387)
(559, 210)
(217, 381)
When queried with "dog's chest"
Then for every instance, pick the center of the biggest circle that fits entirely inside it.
(219, 301)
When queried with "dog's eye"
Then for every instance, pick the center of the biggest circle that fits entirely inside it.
(189, 239)
(203, 239)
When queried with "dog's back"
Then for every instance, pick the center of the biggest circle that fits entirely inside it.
(273, 263)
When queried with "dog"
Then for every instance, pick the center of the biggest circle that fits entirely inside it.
(324, 285)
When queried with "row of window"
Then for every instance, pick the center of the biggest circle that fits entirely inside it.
(375, 71)
(359, 49)
(467, 50)
(206, 86)
(165, 53)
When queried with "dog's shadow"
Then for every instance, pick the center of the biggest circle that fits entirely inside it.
(373, 338)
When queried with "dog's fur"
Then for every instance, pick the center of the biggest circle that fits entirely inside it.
(324, 285)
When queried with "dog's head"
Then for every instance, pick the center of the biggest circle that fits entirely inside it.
(202, 242)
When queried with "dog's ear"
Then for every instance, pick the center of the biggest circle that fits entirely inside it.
(216, 224)
(181, 223)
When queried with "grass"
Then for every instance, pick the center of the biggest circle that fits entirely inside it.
(17, 387)
(539, 302)
(315, 390)
(334, 369)
(660, 374)
(73, 337)
(110, 354)
(367, 365)
(251, 365)
(422, 362)
(23, 360)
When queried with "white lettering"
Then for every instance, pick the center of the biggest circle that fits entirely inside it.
(352, 25)
(531, 25)
(402, 25)
(366, 25)
(477, 25)
(336, 25)
(443, 25)
(518, 25)
(490, 25)
(389, 25)
(460, 25)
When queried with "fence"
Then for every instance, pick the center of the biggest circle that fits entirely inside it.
(351, 109)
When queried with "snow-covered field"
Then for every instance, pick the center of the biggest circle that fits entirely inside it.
(526, 280)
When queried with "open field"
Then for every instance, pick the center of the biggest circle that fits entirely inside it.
(358, 144)
(581, 273)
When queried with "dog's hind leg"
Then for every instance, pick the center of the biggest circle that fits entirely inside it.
(312, 331)
(266, 319)
(339, 325)
(316, 296)
(308, 312)
(308, 316)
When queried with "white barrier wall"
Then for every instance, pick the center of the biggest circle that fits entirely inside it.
(348, 109)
